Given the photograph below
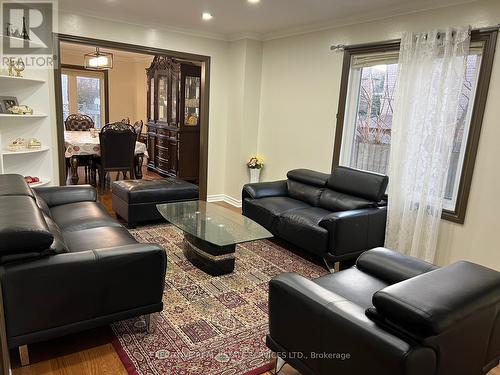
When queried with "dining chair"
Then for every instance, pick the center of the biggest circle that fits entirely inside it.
(117, 144)
(138, 129)
(79, 122)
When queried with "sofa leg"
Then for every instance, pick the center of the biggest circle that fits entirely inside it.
(278, 365)
(150, 320)
(24, 355)
(332, 267)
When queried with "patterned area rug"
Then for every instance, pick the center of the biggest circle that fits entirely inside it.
(209, 325)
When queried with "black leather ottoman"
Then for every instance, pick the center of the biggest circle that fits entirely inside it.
(135, 200)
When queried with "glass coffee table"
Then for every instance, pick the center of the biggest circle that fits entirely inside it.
(212, 233)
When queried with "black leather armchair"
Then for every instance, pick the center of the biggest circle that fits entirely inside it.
(67, 266)
(390, 314)
(335, 216)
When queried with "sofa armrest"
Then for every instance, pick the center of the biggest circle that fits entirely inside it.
(59, 195)
(466, 291)
(265, 189)
(356, 230)
(68, 288)
(308, 319)
(392, 266)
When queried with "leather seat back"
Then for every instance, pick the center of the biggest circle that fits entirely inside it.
(306, 185)
(27, 231)
(352, 189)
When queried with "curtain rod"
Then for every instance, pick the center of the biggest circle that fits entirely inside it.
(343, 47)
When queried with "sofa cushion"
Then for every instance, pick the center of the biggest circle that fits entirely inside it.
(97, 238)
(301, 228)
(335, 201)
(23, 229)
(304, 192)
(354, 285)
(308, 177)
(367, 185)
(14, 184)
(265, 210)
(82, 215)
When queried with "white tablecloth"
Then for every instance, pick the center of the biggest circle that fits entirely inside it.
(82, 143)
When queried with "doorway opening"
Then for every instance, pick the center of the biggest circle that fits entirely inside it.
(166, 91)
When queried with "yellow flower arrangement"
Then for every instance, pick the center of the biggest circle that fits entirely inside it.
(256, 162)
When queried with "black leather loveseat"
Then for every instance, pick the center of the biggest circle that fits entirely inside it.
(389, 315)
(67, 266)
(335, 216)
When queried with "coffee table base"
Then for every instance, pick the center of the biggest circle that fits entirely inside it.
(211, 259)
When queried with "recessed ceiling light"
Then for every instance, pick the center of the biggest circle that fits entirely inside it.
(207, 16)
(253, 1)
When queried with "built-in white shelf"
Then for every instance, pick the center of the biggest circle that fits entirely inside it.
(43, 181)
(34, 115)
(25, 151)
(6, 79)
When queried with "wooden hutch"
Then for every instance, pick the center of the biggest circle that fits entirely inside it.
(173, 128)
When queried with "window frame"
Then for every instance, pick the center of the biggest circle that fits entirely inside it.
(106, 85)
(489, 38)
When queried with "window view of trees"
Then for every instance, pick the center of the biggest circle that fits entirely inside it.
(374, 118)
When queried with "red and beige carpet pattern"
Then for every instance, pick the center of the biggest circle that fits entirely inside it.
(209, 325)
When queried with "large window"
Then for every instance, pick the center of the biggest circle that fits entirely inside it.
(364, 127)
(84, 92)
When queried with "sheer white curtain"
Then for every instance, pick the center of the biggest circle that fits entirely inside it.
(431, 72)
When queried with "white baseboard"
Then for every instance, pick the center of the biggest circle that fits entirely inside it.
(224, 198)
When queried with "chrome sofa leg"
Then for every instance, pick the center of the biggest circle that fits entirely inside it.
(24, 355)
(332, 267)
(150, 320)
(278, 365)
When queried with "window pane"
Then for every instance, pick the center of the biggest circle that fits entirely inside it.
(466, 105)
(88, 98)
(368, 131)
(65, 95)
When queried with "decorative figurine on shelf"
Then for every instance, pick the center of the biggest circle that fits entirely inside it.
(17, 144)
(25, 34)
(34, 144)
(10, 66)
(19, 67)
(20, 110)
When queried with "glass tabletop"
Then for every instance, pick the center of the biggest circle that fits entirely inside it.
(212, 223)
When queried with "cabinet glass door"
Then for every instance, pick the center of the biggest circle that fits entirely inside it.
(152, 99)
(192, 101)
(175, 95)
(163, 99)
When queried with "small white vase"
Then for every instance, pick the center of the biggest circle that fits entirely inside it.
(254, 175)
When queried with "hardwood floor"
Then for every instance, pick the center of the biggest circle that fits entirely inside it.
(90, 352)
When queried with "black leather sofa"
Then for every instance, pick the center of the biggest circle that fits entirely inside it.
(67, 266)
(335, 216)
(389, 314)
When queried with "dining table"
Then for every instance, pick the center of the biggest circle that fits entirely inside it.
(80, 143)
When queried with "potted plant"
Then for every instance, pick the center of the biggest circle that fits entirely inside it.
(255, 164)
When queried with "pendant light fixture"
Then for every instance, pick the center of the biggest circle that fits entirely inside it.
(98, 60)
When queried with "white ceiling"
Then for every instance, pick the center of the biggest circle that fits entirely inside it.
(236, 18)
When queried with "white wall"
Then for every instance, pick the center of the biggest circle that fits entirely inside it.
(218, 51)
(299, 98)
(290, 87)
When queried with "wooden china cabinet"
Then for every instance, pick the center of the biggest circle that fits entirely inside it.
(173, 118)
